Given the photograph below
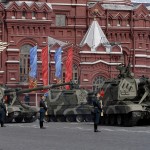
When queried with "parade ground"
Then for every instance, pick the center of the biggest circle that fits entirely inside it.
(72, 136)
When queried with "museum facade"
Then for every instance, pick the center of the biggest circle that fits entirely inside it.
(103, 34)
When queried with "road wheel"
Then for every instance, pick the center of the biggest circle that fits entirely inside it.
(34, 117)
(28, 119)
(61, 118)
(102, 121)
(19, 119)
(70, 118)
(106, 120)
(112, 120)
(53, 119)
(47, 118)
(119, 120)
(129, 120)
(9, 118)
(89, 118)
(79, 118)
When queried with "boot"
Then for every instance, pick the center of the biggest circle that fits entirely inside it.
(95, 128)
(2, 124)
(41, 124)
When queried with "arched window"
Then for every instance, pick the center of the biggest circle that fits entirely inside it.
(110, 22)
(44, 15)
(98, 83)
(128, 22)
(24, 63)
(13, 14)
(33, 15)
(119, 22)
(124, 58)
(23, 14)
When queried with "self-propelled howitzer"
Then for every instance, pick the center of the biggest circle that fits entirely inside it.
(68, 105)
(16, 109)
(126, 100)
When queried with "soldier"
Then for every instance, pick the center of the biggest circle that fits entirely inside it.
(27, 99)
(43, 109)
(97, 111)
(2, 112)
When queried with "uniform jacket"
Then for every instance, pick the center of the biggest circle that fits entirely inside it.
(97, 105)
(43, 107)
(97, 110)
(2, 106)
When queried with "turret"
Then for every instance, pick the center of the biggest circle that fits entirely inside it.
(126, 99)
(123, 87)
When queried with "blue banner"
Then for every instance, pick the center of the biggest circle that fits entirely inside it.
(33, 62)
(58, 67)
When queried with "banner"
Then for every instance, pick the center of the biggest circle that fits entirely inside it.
(68, 73)
(45, 65)
(58, 66)
(33, 68)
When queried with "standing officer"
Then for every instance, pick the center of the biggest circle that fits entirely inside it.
(2, 112)
(43, 109)
(27, 99)
(97, 111)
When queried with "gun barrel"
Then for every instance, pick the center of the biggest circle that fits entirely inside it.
(20, 91)
(11, 90)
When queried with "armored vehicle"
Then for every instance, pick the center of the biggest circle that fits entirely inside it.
(68, 105)
(16, 109)
(126, 100)
(12, 111)
(26, 113)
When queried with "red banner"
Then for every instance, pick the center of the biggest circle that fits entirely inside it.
(69, 61)
(45, 69)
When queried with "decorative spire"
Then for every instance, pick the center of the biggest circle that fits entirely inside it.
(94, 36)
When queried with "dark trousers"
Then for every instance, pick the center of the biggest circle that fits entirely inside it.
(96, 120)
(41, 124)
(95, 127)
(2, 117)
(42, 114)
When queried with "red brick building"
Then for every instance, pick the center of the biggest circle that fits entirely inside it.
(120, 33)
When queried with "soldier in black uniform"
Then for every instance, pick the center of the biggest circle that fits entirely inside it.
(97, 111)
(43, 109)
(2, 112)
(27, 99)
